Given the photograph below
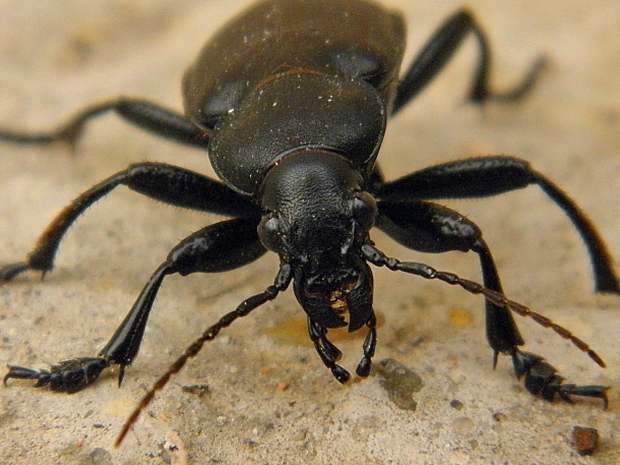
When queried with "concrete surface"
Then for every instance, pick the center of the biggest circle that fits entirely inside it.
(269, 399)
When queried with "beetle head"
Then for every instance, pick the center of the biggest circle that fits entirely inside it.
(316, 218)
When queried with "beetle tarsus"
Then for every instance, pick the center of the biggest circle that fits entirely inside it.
(481, 95)
(8, 272)
(543, 380)
(67, 376)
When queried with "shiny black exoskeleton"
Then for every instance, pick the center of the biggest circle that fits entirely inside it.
(291, 101)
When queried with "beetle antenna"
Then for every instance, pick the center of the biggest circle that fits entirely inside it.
(249, 304)
(378, 258)
(500, 299)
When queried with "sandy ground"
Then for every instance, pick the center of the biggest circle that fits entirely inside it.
(269, 399)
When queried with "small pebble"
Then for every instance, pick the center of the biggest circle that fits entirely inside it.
(585, 440)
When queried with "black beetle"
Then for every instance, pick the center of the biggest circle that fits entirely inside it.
(291, 100)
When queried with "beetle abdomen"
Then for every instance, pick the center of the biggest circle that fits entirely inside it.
(269, 38)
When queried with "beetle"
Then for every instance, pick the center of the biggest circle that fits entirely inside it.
(291, 101)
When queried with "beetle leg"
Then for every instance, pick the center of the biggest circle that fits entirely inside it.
(375, 180)
(144, 114)
(68, 376)
(541, 379)
(280, 284)
(492, 175)
(432, 228)
(438, 51)
(220, 247)
(166, 183)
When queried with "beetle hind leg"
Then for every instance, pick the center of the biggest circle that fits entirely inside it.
(441, 47)
(144, 114)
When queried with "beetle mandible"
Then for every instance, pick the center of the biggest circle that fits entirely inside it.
(291, 100)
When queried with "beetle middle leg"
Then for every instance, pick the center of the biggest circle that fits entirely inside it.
(493, 175)
(438, 51)
(167, 183)
(428, 227)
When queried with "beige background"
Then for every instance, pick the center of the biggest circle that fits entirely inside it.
(56, 56)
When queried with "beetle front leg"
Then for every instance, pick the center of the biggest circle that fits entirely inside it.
(68, 376)
(543, 380)
(431, 228)
(220, 247)
(540, 377)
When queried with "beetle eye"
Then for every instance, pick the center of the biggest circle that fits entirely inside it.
(269, 233)
(364, 211)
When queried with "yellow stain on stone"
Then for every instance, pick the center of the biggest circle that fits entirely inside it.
(294, 331)
(460, 317)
